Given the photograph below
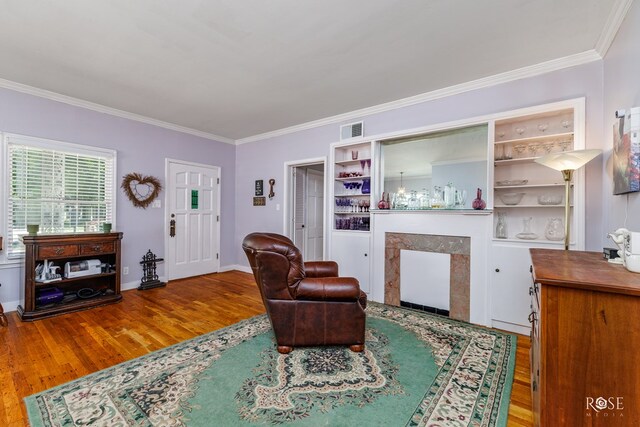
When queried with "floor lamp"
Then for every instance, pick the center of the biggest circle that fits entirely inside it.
(567, 162)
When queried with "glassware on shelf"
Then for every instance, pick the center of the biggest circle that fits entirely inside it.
(449, 196)
(520, 149)
(548, 147)
(501, 134)
(533, 149)
(437, 202)
(565, 123)
(363, 164)
(508, 152)
(520, 130)
(527, 234)
(478, 203)
(354, 154)
(499, 152)
(366, 186)
(413, 202)
(564, 145)
(425, 199)
(461, 198)
(554, 229)
(501, 227)
(543, 127)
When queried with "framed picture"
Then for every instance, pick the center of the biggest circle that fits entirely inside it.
(626, 153)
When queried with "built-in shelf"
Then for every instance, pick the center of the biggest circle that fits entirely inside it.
(537, 138)
(353, 213)
(515, 187)
(353, 178)
(515, 161)
(351, 162)
(561, 205)
(352, 195)
(73, 279)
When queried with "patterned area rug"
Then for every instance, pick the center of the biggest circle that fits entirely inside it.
(417, 370)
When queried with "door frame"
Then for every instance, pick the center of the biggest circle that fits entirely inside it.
(287, 217)
(167, 213)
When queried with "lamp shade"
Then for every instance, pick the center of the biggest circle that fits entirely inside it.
(568, 160)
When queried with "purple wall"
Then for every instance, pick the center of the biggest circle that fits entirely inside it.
(265, 159)
(621, 91)
(141, 148)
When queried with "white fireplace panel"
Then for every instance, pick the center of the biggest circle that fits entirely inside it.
(425, 278)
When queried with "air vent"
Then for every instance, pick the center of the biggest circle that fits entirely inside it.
(352, 130)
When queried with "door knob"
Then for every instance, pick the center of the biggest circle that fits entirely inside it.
(497, 270)
(172, 226)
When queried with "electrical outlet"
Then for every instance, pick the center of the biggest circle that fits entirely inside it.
(125, 271)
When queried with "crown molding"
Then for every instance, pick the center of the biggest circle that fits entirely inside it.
(611, 27)
(53, 96)
(517, 74)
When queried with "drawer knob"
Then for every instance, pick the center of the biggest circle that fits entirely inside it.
(96, 248)
(59, 251)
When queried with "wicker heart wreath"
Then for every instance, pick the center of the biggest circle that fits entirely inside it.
(141, 190)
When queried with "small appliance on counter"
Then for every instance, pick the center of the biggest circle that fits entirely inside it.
(632, 251)
(628, 243)
(83, 268)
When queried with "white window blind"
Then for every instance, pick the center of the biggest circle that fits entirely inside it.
(64, 188)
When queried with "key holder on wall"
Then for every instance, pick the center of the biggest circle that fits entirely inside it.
(272, 182)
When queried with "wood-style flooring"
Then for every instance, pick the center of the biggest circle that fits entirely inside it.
(35, 356)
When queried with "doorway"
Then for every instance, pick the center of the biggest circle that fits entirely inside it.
(192, 214)
(305, 211)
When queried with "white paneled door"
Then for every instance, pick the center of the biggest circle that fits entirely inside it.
(193, 214)
(314, 219)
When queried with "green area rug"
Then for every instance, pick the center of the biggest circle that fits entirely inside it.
(417, 369)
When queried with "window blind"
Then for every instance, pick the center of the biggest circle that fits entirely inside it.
(64, 190)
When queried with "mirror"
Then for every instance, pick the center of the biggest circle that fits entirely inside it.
(429, 162)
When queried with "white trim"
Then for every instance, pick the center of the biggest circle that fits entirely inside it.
(53, 96)
(520, 73)
(612, 26)
(511, 327)
(167, 213)
(9, 306)
(288, 172)
(238, 267)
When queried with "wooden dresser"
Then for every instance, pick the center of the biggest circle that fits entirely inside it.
(60, 249)
(585, 340)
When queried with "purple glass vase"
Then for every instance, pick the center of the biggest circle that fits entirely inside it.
(478, 203)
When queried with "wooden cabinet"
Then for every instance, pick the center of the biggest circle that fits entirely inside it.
(60, 249)
(585, 339)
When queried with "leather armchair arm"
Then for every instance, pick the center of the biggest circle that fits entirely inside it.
(321, 269)
(328, 289)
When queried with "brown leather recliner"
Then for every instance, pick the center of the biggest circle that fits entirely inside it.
(307, 303)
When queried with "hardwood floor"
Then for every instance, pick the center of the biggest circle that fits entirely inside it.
(35, 356)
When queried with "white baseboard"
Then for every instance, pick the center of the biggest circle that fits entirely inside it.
(10, 306)
(511, 327)
(238, 267)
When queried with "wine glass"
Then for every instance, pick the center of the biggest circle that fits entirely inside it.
(520, 130)
(501, 134)
(565, 123)
(533, 149)
(543, 127)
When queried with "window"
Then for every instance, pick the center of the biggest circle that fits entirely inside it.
(65, 188)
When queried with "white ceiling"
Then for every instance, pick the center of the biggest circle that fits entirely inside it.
(240, 68)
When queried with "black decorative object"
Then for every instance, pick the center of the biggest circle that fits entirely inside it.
(150, 278)
(259, 187)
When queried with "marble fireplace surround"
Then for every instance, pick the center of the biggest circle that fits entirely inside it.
(460, 267)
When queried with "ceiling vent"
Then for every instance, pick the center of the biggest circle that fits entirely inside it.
(352, 130)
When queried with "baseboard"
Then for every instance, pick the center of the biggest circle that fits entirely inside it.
(243, 268)
(10, 306)
(511, 327)
(134, 285)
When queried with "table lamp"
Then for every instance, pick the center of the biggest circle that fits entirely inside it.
(567, 162)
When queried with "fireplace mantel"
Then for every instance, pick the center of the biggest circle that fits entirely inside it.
(472, 225)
